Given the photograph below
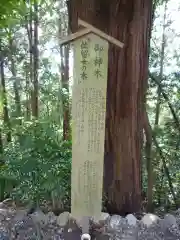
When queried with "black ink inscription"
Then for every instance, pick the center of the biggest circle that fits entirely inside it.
(83, 76)
(98, 61)
(84, 44)
(97, 73)
(84, 53)
(96, 109)
(84, 62)
(98, 48)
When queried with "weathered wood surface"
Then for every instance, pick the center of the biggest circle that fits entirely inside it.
(88, 125)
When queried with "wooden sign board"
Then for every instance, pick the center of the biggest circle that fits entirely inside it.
(88, 119)
(88, 124)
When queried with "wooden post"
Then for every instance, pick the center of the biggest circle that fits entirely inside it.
(88, 120)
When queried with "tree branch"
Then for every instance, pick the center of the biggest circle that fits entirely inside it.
(165, 169)
(176, 119)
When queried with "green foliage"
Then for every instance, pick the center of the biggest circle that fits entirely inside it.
(40, 162)
(9, 11)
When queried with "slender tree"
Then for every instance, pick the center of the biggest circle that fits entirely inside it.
(64, 69)
(162, 52)
(148, 147)
(36, 62)
(4, 96)
(15, 84)
(29, 74)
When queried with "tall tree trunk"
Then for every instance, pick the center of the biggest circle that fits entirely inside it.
(1, 145)
(15, 85)
(157, 115)
(29, 78)
(64, 69)
(28, 91)
(65, 86)
(128, 21)
(148, 153)
(36, 62)
(2, 180)
(163, 44)
(4, 96)
(31, 56)
(148, 134)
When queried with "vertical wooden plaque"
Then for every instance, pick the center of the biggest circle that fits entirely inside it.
(88, 124)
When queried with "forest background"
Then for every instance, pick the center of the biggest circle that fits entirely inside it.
(35, 108)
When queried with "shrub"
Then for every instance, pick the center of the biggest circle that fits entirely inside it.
(41, 163)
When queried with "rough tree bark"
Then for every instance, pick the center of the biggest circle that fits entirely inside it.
(128, 21)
